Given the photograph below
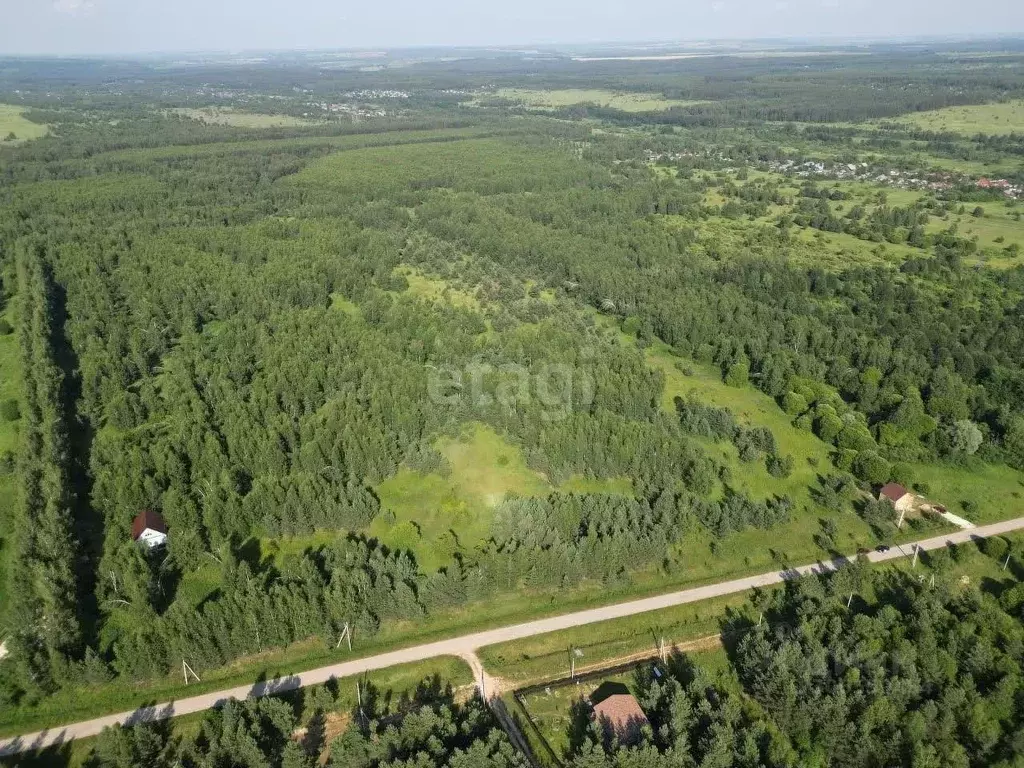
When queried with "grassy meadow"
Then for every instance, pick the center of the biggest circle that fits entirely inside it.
(626, 101)
(240, 119)
(12, 121)
(989, 119)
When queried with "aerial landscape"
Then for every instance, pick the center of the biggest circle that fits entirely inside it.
(593, 404)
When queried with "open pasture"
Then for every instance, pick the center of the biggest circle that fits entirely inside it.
(15, 129)
(989, 119)
(626, 101)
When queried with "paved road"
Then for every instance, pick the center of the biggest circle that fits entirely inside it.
(465, 645)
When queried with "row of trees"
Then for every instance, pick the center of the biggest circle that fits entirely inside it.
(44, 601)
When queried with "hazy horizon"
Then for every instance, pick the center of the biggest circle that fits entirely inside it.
(137, 27)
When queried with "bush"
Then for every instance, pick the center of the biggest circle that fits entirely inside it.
(996, 547)
(779, 466)
(5, 328)
(9, 410)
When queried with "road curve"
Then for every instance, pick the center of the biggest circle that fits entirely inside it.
(467, 644)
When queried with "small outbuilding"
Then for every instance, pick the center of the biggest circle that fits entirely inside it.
(149, 529)
(898, 496)
(619, 713)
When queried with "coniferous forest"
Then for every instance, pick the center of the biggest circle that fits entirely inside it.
(445, 347)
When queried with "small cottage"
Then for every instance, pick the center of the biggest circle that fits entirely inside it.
(149, 529)
(619, 714)
(898, 496)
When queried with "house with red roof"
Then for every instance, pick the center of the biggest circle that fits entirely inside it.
(149, 529)
(898, 496)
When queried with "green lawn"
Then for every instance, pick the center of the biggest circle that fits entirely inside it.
(997, 490)
(12, 120)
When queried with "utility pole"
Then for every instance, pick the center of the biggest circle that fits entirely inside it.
(346, 634)
(917, 548)
(1007, 562)
(900, 523)
(662, 651)
(359, 699)
(573, 653)
(850, 601)
(186, 670)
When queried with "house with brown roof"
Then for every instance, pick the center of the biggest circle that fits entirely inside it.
(149, 529)
(898, 496)
(618, 712)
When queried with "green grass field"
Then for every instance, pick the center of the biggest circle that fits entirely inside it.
(12, 120)
(436, 516)
(623, 100)
(238, 119)
(437, 290)
(546, 657)
(990, 119)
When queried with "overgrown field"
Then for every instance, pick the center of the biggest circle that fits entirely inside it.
(990, 119)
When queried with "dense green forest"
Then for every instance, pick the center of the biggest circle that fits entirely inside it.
(417, 356)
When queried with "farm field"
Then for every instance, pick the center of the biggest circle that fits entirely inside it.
(13, 122)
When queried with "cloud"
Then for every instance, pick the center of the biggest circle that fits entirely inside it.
(74, 7)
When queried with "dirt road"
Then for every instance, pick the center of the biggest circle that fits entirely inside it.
(466, 644)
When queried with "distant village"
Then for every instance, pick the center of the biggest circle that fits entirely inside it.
(934, 181)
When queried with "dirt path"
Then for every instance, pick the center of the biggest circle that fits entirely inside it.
(468, 644)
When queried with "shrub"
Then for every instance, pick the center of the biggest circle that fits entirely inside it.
(996, 547)
(9, 410)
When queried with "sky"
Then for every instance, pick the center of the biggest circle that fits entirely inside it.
(149, 26)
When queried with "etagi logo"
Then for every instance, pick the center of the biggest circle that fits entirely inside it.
(557, 387)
